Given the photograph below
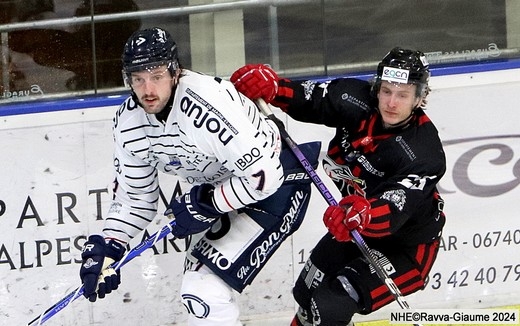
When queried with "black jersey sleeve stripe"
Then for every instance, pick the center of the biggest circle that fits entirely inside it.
(141, 217)
(233, 188)
(245, 187)
(153, 172)
(144, 208)
(141, 193)
(133, 141)
(142, 186)
(136, 166)
(141, 200)
(121, 221)
(133, 128)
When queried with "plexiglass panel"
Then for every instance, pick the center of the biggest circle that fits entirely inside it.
(67, 48)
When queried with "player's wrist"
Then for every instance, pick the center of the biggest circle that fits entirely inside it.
(204, 201)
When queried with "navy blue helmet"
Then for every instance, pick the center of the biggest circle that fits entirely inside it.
(149, 48)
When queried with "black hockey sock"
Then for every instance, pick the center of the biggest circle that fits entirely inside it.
(302, 318)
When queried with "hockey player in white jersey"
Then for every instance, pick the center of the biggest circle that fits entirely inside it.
(247, 195)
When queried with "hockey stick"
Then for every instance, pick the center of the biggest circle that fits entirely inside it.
(358, 239)
(134, 252)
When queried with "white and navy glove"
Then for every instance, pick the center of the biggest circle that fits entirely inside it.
(98, 279)
(194, 212)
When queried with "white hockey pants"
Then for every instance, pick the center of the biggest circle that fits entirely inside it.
(208, 299)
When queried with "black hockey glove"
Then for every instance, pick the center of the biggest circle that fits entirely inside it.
(97, 278)
(194, 212)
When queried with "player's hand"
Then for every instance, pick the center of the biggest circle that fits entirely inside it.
(194, 212)
(99, 279)
(351, 213)
(256, 81)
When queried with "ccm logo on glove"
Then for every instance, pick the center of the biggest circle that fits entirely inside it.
(351, 213)
(256, 81)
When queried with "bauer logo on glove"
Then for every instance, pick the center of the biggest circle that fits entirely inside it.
(191, 209)
(194, 212)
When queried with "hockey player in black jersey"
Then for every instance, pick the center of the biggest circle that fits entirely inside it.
(243, 202)
(386, 158)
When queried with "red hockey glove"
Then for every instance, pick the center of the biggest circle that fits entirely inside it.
(256, 81)
(351, 213)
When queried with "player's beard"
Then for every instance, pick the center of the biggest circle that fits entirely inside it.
(153, 103)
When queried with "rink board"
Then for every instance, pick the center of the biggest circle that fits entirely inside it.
(56, 186)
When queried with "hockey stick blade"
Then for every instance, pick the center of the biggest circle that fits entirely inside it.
(357, 238)
(78, 292)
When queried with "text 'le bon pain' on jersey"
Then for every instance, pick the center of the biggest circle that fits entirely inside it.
(212, 135)
(397, 169)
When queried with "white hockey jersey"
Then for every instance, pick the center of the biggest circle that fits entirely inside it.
(213, 134)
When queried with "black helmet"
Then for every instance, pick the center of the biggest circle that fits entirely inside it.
(404, 66)
(394, 64)
(149, 48)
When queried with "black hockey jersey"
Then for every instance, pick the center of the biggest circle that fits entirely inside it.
(396, 169)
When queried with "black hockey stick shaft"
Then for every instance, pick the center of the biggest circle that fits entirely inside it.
(357, 238)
